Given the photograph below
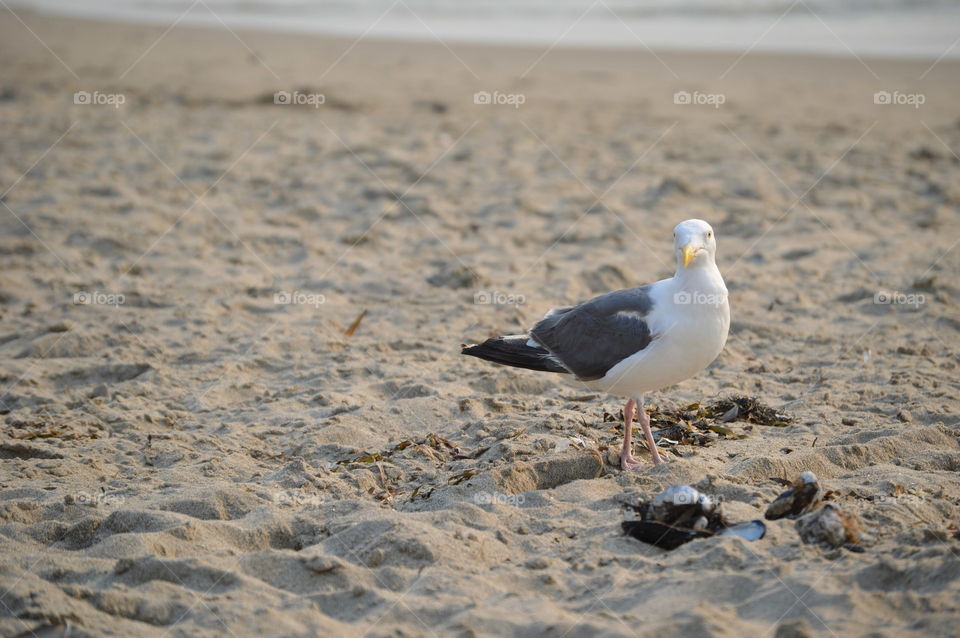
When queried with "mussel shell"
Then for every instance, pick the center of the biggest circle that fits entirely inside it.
(668, 537)
(660, 534)
(829, 526)
(797, 500)
(681, 506)
(679, 495)
(750, 530)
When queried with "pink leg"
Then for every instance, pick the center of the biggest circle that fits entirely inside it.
(627, 462)
(648, 434)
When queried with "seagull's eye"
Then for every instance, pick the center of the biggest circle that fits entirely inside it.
(709, 234)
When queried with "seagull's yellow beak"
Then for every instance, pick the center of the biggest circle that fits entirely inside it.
(689, 252)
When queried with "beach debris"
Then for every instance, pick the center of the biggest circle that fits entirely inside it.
(434, 448)
(816, 522)
(431, 442)
(322, 563)
(730, 415)
(575, 441)
(749, 409)
(703, 424)
(802, 498)
(831, 527)
(460, 478)
(356, 324)
(683, 506)
(680, 514)
(749, 530)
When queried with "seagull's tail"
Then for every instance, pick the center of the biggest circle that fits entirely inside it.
(515, 351)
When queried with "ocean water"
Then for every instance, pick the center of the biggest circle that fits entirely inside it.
(869, 28)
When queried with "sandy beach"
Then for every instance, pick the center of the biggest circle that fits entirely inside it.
(199, 438)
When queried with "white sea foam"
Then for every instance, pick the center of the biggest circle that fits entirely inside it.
(894, 28)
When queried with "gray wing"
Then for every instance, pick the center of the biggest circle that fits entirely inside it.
(591, 338)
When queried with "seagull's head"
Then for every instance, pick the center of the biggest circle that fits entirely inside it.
(694, 243)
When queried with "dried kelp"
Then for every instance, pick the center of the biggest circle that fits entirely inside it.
(702, 424)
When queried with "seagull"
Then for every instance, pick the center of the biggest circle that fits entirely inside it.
(630, 342)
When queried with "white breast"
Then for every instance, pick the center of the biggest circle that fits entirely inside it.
(690, 321)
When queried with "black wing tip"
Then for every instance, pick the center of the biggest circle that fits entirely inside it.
(513, 351)
(483, 350)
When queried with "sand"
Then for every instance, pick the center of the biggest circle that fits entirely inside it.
(188, 455)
